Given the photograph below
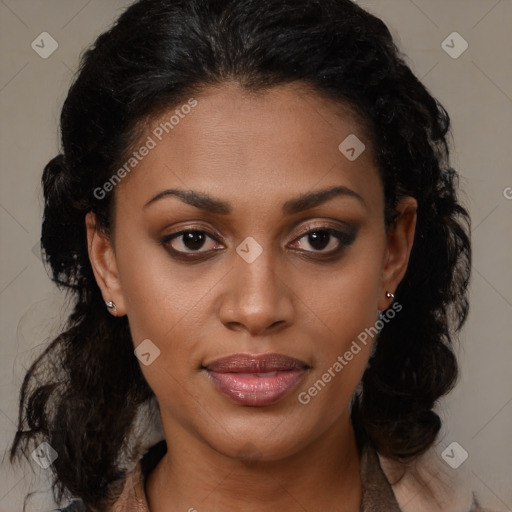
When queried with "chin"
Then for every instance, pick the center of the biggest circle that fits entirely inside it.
(260, 446)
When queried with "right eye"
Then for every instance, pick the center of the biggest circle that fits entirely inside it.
(188, 241)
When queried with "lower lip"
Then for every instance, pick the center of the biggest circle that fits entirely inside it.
(251, 389)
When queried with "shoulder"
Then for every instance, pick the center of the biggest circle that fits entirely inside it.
(430, 484)
(130, 499)
(132, 489)
(76, 506)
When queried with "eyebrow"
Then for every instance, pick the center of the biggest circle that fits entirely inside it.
(303, 202)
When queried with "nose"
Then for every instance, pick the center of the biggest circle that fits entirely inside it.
(256, 297)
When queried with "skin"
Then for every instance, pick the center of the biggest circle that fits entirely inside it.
(255, 152)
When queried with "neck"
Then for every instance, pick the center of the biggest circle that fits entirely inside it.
(325, 475)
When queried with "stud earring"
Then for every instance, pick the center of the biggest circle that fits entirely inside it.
(111, 307)
(390, 295)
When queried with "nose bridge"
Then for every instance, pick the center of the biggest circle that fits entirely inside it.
(257, 298)
(254, 274)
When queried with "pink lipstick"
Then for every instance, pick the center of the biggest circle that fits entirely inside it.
(256, 380)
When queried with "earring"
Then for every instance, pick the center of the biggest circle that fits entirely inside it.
(111, 307)
(390, 295)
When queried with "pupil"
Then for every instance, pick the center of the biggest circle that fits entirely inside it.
(319, 239)
(194, 240)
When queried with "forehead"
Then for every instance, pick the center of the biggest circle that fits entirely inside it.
(239, 145)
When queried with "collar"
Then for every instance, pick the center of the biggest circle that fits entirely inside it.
(377, 493)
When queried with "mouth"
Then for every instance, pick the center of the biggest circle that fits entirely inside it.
(256, 380)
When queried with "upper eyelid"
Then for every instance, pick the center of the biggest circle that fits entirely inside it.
(305, 230)
(214, 236)
(310, 226)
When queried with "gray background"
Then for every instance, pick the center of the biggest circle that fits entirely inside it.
(476, 89)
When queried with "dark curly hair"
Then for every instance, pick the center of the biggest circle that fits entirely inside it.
(82, 394)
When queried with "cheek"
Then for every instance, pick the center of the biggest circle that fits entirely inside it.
(341, 355)
(156, 294)
(345, 299)
(344, 327)
(164, 304)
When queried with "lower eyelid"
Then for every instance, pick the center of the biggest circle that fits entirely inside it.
(344, 239)
(174, 236)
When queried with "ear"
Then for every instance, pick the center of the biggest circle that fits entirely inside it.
(400, 241)
(104, 265)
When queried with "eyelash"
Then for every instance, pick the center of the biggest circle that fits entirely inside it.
(344, 239)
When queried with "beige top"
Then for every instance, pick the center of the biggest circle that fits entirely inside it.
(377, 493)
(446, 490)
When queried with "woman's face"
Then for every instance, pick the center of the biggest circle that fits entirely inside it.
(244, 278)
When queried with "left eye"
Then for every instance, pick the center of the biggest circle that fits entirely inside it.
(321, 238)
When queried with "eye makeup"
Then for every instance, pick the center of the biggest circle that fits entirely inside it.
(194, 238)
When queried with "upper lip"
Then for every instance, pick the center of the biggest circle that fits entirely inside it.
(262, 363)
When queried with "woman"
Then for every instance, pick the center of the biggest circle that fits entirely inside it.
(255, 213)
